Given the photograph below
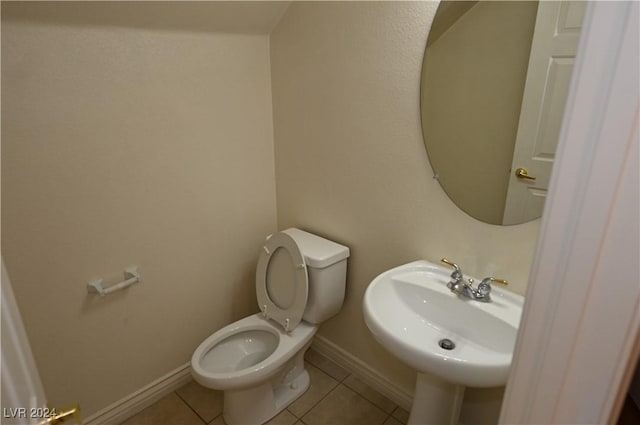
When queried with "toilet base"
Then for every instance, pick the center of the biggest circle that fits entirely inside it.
(258, 404)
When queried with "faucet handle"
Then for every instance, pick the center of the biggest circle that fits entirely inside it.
(456, 275)
(484, 287)
(457, 272)
(451, 263)
(493, 279)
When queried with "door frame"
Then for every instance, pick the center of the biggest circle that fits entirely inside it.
(578, 340)
(21, 384)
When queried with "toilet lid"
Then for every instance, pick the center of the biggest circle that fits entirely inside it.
(282, 285)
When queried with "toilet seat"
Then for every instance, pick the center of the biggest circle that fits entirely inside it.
(282, 284)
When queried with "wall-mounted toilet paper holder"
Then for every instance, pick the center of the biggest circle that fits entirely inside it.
(131, 275)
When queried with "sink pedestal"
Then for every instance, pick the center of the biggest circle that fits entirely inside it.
(435, 401)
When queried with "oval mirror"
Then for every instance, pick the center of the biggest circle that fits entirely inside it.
(495, 79)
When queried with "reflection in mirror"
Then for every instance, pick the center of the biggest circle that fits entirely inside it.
(495, 80)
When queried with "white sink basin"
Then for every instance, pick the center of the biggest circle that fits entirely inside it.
(409, 309)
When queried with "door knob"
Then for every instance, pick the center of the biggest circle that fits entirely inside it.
(62, 416)
(521, 173)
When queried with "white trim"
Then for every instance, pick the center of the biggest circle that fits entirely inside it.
(128, 406)
(581, 314)
(21, 385)
(363, 371)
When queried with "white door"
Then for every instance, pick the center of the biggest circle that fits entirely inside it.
(23, 400)
(553, 52)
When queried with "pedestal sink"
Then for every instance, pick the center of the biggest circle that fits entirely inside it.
(452, 341)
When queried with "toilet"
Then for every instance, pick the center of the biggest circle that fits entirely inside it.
(258, 361)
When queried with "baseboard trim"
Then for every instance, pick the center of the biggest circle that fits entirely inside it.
(363, 371)
(128, 406)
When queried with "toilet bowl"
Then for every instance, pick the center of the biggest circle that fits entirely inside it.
(257, 365)
(258, 361)
(247, 352)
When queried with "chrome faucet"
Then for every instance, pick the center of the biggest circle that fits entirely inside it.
(458, 285)
(456, 276)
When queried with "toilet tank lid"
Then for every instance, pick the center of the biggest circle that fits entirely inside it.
(318, 252)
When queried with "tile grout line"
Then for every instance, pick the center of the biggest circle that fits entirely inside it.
(371, 403)
(387, 418)
(368, 401)
(341, 382)
(327, 373)
(192, 409)
(350, 389)
(216, 417)
(322, 398)
(398, 419)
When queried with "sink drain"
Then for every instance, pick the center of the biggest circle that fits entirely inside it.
(447, 344)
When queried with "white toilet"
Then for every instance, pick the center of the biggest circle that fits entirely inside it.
(259, 361)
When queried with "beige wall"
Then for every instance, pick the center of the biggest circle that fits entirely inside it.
(472, 89)
(153, 147)
(351, 164)
(126, 146)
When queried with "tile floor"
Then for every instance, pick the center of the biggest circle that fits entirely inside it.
(335, 397)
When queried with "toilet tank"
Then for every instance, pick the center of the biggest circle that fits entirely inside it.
(327, 270)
